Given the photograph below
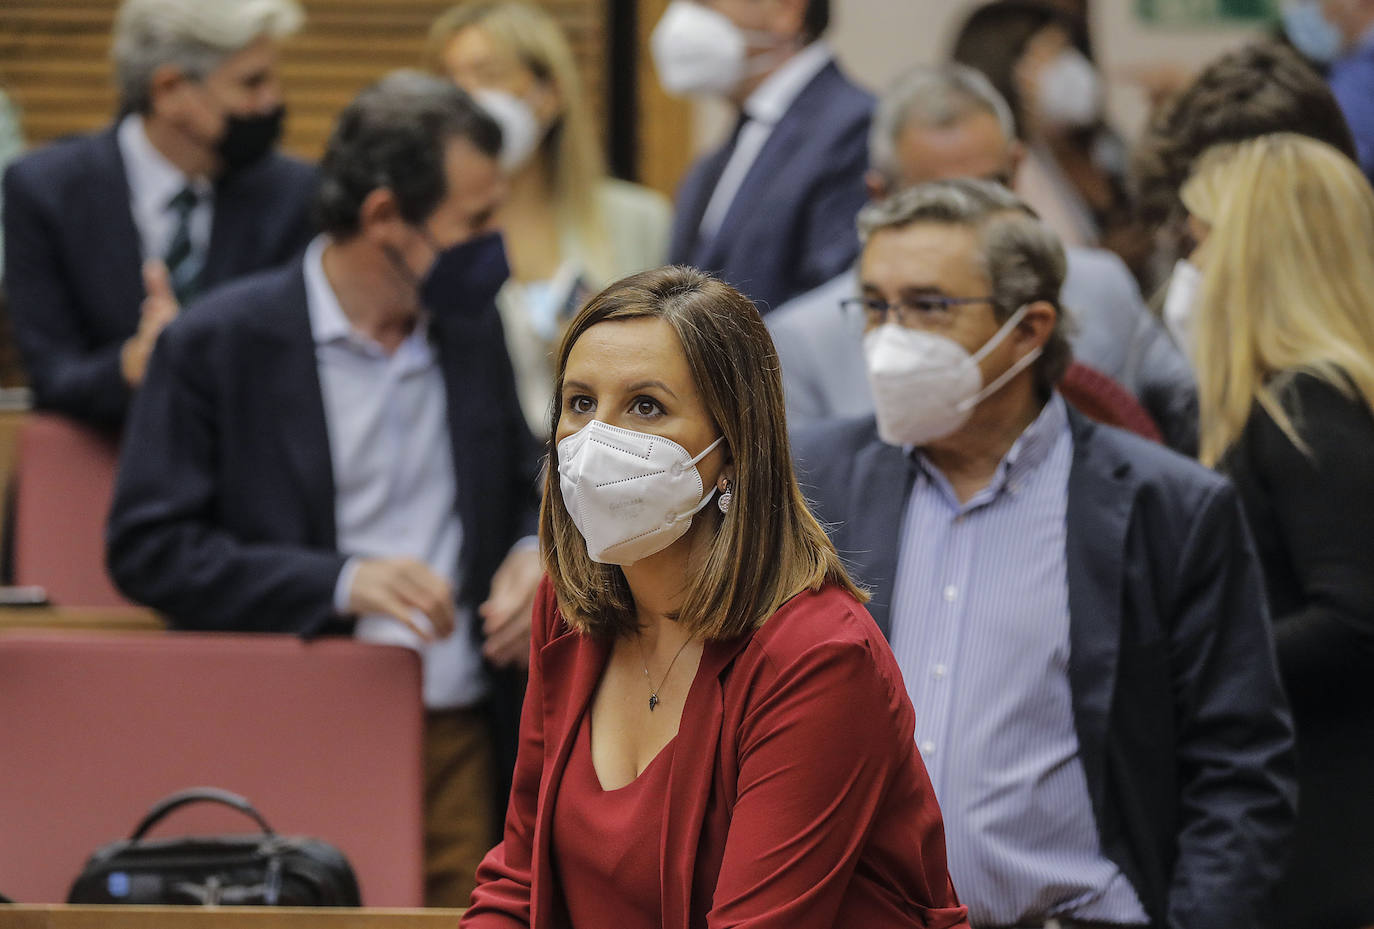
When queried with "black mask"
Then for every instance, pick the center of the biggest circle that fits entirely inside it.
(466, 275)
(247, 139)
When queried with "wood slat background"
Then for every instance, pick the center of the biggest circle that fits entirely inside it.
(54, 59)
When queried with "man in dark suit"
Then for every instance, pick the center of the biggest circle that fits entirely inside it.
(320, 447)
(108, 235)
(1078, 613)
(771, 211)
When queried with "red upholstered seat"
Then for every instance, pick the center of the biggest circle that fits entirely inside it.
(64, 481)
(323, 737)
(1098, 397)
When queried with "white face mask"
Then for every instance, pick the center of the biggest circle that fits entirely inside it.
(521, 132)
(925, 386)
(630, 494)
(1069, 92)
(698, 51)
(1180, 303)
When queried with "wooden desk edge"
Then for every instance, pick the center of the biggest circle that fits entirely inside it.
(82, 618)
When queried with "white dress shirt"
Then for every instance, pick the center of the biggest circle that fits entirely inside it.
(395, 489)
(764, 108)
(153, 182)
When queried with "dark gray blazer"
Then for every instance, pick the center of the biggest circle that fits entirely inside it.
(1183, 728)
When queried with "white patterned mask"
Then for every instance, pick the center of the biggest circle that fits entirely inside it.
(631, 494)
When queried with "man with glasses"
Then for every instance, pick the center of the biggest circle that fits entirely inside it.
(937, 123)
(1077, 612)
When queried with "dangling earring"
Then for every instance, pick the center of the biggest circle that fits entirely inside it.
(725, 496)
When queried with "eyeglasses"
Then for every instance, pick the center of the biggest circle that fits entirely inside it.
(925, 312)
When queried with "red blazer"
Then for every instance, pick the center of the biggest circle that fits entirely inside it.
(797, 799)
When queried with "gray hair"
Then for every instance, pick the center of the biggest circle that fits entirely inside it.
(194, 35)
(934, 98)
(1022, 258)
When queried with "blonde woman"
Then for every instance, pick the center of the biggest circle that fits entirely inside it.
(569, 228)
(1284, 336)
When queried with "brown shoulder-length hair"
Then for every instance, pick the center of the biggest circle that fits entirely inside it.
(769, 547)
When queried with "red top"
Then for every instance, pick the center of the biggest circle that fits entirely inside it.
(606, 842)
(796, 798)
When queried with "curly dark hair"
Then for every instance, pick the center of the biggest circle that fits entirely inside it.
(1262, 88)
(394, 135)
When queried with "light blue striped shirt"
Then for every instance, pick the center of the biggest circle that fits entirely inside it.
(980, 628)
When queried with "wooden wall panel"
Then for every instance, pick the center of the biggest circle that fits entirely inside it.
(54, 59)
(665, 123)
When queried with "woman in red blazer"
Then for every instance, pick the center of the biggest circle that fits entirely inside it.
(715, 733)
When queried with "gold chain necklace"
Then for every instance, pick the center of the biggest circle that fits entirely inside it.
(653, 691)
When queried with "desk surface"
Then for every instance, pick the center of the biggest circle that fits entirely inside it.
(69, 618)
(228, 917)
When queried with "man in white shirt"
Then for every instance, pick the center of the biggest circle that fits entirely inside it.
(323, 446)
(771, 211)
(108, 235)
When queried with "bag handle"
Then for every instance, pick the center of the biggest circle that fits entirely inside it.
(197, 795)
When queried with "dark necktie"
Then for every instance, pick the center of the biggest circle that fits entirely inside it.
(183, 262)
(722, 159)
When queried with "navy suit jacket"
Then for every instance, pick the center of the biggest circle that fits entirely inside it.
(1184, 731)
(791, 225)
(73, 263)
(223, 515)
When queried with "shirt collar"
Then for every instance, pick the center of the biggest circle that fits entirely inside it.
(1033, 445)
(328, 324)
(1031, 448)
(153, 180)
(327, 320)
(770, 99)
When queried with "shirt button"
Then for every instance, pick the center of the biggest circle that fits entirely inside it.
(939, 670)
(951, 592)
(927, 747)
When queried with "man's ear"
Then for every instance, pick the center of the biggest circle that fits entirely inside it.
(380, 213)
(789, 18)
(166, 81)
(1038, 323)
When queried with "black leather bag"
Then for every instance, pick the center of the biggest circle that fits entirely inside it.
(232, 870)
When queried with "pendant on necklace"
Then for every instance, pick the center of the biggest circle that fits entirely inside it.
(653, 702)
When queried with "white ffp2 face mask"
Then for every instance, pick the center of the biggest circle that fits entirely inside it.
(926, 386)
(697, 50)
(520, 129)
(1069, 92)
(631, 494)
